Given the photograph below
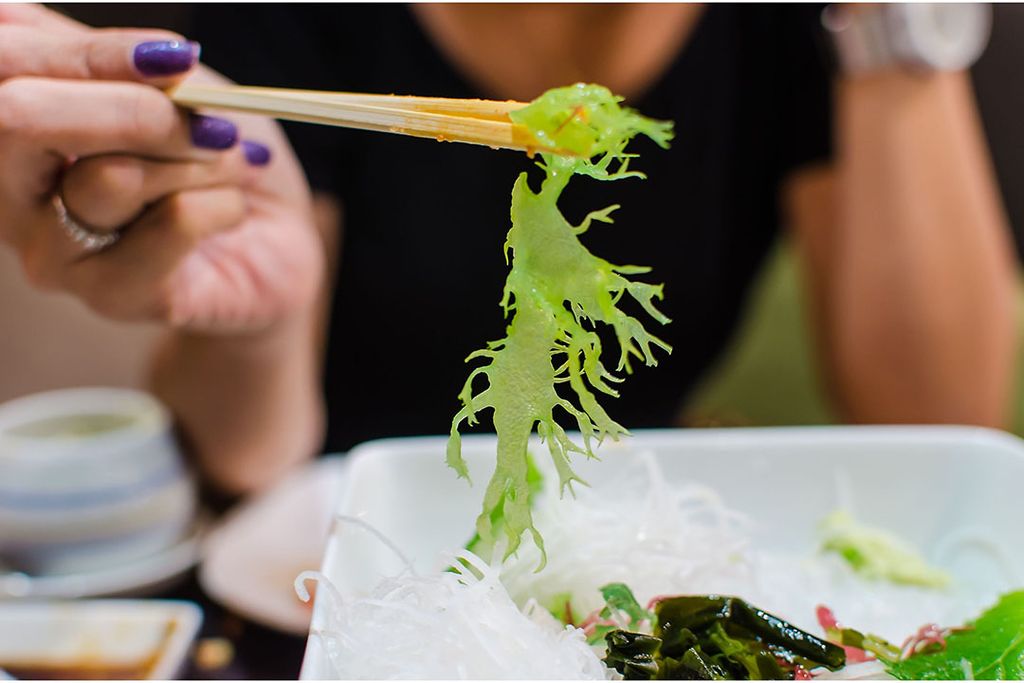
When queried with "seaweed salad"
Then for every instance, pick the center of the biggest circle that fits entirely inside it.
(557, 293)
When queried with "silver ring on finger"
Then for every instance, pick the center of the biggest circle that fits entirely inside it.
(90, 240)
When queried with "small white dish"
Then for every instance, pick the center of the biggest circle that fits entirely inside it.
(251, 560)
(147, 639)
(139, 577)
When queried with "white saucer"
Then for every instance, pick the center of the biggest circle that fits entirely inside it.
(250, 560)
(141, 577)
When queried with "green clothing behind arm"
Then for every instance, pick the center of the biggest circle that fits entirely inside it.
(768, 376)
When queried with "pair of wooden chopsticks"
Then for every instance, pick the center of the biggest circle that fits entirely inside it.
(480, 122)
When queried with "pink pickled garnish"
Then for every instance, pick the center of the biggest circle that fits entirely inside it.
(855, 655)
(826, 618)
(927, 635)
(590, 628)
(828, 621)
(590, 619)
(801, 674)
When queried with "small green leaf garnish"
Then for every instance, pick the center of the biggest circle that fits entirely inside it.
(620, 610)
(619, 598)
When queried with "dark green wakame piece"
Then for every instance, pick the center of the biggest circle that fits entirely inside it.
(632, 654)
(742, 620)
(715, 638)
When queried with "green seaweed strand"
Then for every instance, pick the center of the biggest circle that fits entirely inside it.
(556, 292)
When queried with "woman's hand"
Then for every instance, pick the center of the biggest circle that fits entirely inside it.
(217, 236)
(214, 217)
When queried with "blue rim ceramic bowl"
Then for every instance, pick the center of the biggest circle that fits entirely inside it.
(89, 477)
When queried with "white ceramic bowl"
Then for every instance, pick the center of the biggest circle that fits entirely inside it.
(926, 484)
(88, 478)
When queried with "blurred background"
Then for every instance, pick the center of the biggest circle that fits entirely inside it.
(766, 378)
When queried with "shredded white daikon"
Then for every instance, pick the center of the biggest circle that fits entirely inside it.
(662, 537)
(451, 625)
(645, 533)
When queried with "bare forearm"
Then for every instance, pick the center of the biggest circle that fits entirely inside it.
(248, 407)
(920, 292)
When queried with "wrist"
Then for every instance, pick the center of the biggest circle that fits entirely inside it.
(890, 91)
(895, 83)
(273, 338)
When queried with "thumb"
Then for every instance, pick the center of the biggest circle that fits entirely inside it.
(157, 57)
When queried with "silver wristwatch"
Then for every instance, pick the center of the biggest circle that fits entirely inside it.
(922, 37)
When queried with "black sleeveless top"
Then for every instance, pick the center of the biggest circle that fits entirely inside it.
(421, 268)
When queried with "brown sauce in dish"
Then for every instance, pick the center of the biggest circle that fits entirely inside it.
(42, 671)
(90, 667)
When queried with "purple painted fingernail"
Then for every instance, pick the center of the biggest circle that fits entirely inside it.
(165, 57)
(211, 132)
(255, 153)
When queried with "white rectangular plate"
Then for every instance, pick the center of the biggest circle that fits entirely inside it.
(919, 482)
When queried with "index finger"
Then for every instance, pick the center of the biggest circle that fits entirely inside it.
(159, 58)
(86, 118)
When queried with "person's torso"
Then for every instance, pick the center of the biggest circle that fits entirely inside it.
(422, 267)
